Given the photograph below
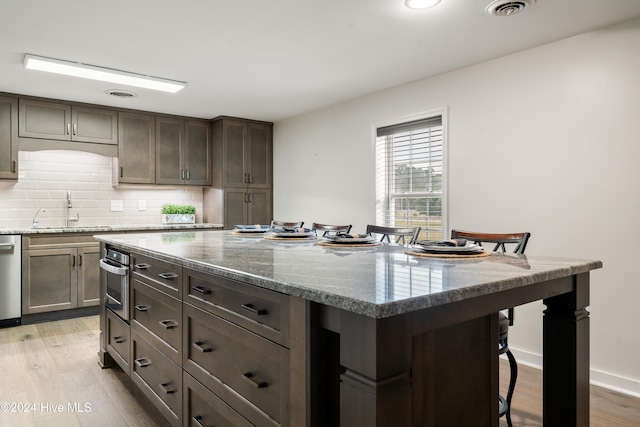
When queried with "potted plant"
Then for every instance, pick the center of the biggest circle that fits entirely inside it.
(178, 214)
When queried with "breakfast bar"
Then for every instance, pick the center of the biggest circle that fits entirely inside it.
(350, 336)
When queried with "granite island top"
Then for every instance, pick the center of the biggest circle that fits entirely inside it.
(105, 228)
(375, 281)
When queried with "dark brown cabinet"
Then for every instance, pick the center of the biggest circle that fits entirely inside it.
(8, 138)
(183, 151)
(67, 122)
(136, 148)
(243, 154)
(59, 273)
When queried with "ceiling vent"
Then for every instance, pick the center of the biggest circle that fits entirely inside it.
(508, 7)
(121, 93)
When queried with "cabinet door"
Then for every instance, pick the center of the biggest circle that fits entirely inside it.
(99, 126)
(258, 153)
(136, 148)
(198, 152)
(8, 138)
(169, 150)
(233, 135)
(49, 280)
(45, 120)
(235, 207)
(88, 262)
(259, 209)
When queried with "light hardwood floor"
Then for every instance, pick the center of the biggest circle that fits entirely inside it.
(51, 370)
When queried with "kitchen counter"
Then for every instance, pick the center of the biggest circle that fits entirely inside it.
(375, 336)
(376, 281)
(107, 228)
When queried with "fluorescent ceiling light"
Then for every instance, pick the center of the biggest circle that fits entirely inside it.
(78, 69)
(421, 4)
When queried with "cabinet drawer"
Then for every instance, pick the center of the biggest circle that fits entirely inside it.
(119, 341)
(158, 318)
(232, 361)
(203, 408)
(260, 310)
(162, 275)
(158, 377)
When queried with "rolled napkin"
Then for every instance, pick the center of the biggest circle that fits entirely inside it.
(451, 242)
(343, 235)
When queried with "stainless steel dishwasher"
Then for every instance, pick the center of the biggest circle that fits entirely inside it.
(10, 280)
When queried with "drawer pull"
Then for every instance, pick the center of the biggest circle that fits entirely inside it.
(168, 324)
(166, 387)
(249, 377)
(167, 276)
(142, 362)
(199, 345)
(141, 307)
(197, 419)
(201, 289)
(141, 266)
(119, 340)
(251, 309)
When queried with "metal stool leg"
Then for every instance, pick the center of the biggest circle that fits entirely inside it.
(512, 384)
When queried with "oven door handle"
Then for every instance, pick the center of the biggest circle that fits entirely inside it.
(120, 271)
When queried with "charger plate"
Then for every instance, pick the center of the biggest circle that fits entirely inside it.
(290, 239)
(348, 245)
(456, 256)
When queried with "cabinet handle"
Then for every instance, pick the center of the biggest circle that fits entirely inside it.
(250, 198)
(141, 266)
(121, 172)
(167, 276)
(249, 377)
(244, 179)
(119, 340)
(249, 178)
(168, 324)
(141, 307)
(15, 166)
(68, 128)
(142, 362)
(166, 388)
(75, 128)
(251, 309)
(188, 174)
(200, 346)
(80, 260)
(197, 419)
(181, 173)
(73, 260)
(201, 289)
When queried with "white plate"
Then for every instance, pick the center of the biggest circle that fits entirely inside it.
(367, 239)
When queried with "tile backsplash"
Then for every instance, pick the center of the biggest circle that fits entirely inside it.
(45, 177)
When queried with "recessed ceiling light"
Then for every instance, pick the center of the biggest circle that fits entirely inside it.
(121, 93)
(86, 71)
(421, 4)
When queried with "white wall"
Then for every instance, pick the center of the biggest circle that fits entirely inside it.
(546, 140)
(46, 176)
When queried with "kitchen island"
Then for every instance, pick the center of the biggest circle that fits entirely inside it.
(345, 336)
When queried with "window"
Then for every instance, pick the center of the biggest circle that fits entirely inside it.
(410, 176)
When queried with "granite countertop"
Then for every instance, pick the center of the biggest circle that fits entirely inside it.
(378, 282)
(105, 228)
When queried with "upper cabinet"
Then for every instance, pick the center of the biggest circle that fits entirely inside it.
(244, 148)
(136, 148)
(66, 122)
(183, 151)
(8, 138)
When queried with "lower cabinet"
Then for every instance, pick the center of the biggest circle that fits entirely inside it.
(158, 377)
(223, 363)
(59, 272)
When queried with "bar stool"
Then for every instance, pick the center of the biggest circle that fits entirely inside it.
(400, 233)
(330, 229)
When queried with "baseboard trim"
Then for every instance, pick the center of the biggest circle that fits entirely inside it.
(601, 379)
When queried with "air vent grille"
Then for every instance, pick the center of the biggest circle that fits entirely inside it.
(121, 93)
(508, 7)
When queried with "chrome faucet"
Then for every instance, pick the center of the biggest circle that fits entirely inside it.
(69, 206)
(34, 223)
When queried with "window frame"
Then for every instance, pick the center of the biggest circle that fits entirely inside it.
(422, 115)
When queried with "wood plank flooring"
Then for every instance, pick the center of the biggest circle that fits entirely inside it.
(50, 377)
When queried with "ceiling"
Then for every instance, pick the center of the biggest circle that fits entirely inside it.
(271, 59)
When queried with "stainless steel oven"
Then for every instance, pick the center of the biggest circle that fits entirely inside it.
(115, 271)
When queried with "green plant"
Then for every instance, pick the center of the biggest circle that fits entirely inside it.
(171, 208)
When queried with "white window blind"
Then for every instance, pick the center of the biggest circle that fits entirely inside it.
(409, 176)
